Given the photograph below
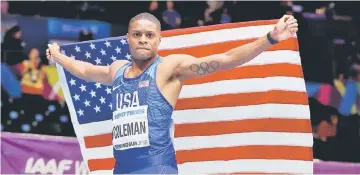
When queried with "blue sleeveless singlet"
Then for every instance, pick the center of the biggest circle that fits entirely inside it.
(142, 135)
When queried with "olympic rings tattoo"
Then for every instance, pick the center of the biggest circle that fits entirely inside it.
(204, 68)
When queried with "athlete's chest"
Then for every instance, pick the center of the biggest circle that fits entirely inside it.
(130, 114)
(131, 94)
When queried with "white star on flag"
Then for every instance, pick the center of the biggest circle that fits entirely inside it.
(98, 85)
(77, 49)
(107, 43)
(98, 61)
(92, 46)
(110, 105)
(102, 100)
(97, 108)
(128, 56)
(87, 54)
(123, 41)
(81, 112)
(82, 87)
(118, 50)
(76, 97)
(87, 103)
(108, 90)
(72, 82)
(113, 58)
(103, 52)
(93, 93)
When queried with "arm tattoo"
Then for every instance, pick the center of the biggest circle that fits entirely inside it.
(204, 67)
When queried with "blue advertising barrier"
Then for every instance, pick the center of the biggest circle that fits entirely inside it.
(70, 29)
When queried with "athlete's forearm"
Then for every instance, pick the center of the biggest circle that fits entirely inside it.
(247, 52)
(84, 70)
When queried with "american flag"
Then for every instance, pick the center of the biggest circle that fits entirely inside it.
(252, 119)
(92, 101)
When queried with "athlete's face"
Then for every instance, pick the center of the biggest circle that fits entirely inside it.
(144, 39)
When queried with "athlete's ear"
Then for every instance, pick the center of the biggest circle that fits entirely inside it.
(159, 41)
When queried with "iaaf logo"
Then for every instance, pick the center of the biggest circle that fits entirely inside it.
(53, 167)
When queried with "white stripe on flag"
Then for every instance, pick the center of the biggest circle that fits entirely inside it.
(215, 36)
(101, 172)
(244, 139)
(99, 153)
(275, 57)
(247, 165)
(282, 111)
(96, 128)
(243, 86)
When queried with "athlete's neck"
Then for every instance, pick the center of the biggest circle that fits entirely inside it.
(139, 66)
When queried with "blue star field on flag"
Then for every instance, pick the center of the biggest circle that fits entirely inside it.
(92, 101)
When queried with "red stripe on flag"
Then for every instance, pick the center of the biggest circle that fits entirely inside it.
(223, 154)
(243, 99)
(216, 48)
(245, 152)
(98, 140)
(242, 126)
(101, 164)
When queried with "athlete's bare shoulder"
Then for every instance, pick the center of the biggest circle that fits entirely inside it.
(115, 66)
(173, 59)
(170, 63)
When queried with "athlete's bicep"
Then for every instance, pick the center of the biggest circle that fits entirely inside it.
(188, 67)
(99, 74)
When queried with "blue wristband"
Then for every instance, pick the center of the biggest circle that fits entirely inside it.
(271, 40)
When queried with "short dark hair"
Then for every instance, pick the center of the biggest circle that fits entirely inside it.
(146, 16)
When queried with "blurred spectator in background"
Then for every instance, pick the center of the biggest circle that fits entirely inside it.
(12, 39)
(214, 5)
(154, 9)
(12, 46)
(213, 14)
(32, 74)
(208, 20)
(287, 5)
(85, 35)
(4, 7)
(225, 17)
(171, 17)
(327, 126)
(336, 137)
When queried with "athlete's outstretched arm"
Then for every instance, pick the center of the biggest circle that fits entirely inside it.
(83, 70)
(187, 66)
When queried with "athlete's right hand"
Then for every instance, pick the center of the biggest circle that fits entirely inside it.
(52, 51)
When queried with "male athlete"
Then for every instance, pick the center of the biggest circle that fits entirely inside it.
(146, 89)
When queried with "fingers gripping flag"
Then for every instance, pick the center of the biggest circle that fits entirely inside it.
(252, 119)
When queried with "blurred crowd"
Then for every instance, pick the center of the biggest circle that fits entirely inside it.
(31, 99)
(328, 58)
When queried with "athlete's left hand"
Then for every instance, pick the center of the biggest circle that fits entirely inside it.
(286, 27)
